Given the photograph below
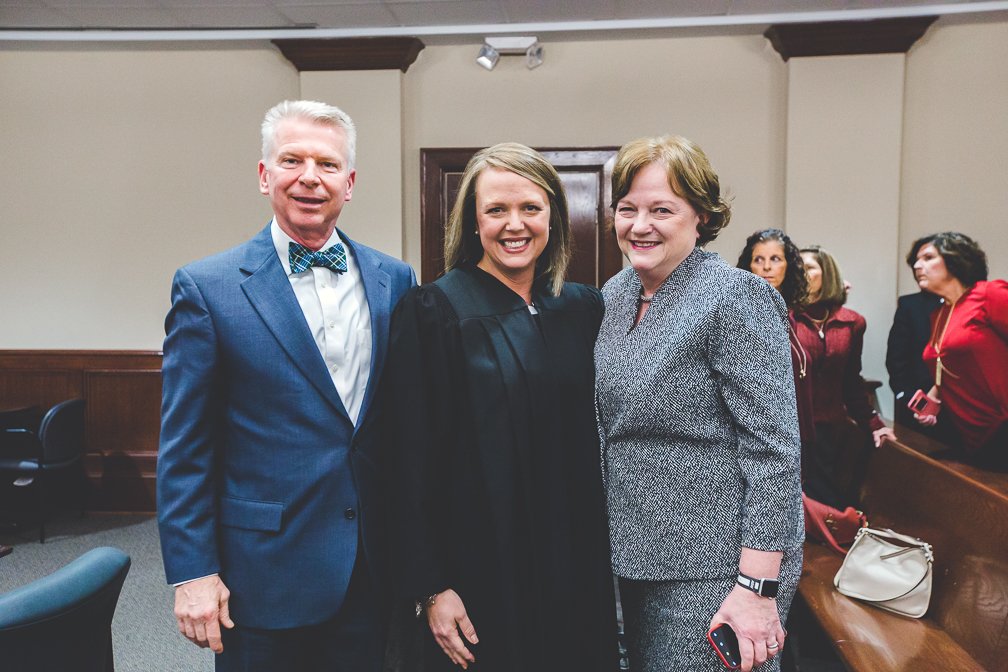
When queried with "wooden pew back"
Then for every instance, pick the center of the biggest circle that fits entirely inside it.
(967, 525)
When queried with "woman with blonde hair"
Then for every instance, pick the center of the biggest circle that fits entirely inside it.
(833, 338)
(697, 416)
(498, 521)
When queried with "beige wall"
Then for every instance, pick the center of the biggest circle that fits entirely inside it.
(845, 117)
(955, 145)
(726, 93)
(120, 165)
(372, 99)
(116, 168)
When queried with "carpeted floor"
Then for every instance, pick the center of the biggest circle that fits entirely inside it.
(144, 635)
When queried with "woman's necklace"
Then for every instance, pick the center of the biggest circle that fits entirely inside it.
(645, 299)
(820, 324)
(799, 350)
(939, 367)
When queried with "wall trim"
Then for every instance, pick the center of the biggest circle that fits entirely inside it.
(351, 53)
(848, 38)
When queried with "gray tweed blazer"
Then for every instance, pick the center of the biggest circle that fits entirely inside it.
(698, 422)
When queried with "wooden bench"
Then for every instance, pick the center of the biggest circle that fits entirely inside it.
(934, 449)
(966, 627)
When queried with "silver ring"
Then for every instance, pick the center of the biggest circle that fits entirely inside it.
(775, 645)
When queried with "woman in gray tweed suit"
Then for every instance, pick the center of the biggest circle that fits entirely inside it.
(696, 408)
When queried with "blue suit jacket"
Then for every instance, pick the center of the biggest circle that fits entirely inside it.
(259, 467)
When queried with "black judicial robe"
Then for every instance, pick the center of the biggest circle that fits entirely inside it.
(494, 471)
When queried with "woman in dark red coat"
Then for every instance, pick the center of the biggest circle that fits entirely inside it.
(833, 337)
(968, 351)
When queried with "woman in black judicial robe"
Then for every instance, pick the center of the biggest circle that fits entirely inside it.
(498, 520)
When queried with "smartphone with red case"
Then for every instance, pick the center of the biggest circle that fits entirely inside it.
(921, 404)
(724, 641)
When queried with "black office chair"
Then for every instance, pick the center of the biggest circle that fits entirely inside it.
(30, 460)
(64, 621)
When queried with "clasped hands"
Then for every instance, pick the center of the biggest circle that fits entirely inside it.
(447, 615)
(756, 624)
(201, 607)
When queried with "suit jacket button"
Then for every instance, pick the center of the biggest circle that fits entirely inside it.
(354, 447)
(350, 514)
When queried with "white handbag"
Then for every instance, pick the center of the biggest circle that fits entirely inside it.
(888, 570)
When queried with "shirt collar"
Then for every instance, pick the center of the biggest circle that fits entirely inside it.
(281, 241)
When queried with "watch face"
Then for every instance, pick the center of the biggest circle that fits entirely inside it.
(769, 589)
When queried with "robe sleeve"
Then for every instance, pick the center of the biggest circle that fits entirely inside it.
(420, 385)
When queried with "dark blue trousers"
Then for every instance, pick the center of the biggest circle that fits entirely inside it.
(353, 640)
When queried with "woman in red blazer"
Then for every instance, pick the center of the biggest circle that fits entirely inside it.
(833, 337)
(968, 351)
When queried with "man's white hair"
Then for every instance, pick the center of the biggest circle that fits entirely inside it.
(312, 111)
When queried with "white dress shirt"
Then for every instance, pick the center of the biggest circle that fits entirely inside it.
(336, 310)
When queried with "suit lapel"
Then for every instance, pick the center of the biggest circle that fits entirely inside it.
(378, 292)
(270, 293)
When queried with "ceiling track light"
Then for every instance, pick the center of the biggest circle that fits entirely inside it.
(495, 47)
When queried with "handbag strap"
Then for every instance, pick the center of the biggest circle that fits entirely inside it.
(906, 540)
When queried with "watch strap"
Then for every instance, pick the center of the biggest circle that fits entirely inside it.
(762, 587)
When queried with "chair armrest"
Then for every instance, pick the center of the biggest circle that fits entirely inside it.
(66, 589)
(21, 437)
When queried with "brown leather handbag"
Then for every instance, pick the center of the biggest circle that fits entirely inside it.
(830, 526)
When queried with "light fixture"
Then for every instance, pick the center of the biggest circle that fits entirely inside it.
(495, 47)
(488, 56)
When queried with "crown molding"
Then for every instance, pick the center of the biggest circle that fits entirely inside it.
(846, 38)
(351, 53)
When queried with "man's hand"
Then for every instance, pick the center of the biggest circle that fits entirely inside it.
(446, 616)
(200, 607)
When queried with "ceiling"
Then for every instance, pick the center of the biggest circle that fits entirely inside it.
(435, 15)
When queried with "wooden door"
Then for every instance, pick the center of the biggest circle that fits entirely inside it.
(587, 178)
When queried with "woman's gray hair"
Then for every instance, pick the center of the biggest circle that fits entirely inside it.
(311, 111)
(462, 247)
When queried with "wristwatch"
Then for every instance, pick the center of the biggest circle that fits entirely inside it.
(762, 587)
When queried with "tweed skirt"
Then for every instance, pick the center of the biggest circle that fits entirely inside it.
(666, 621)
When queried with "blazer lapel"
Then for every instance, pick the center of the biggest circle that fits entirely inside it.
(379, 294)
(270, 293)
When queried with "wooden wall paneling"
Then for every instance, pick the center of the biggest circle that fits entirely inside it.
(122, 416)
(45, 389)
(123, 426)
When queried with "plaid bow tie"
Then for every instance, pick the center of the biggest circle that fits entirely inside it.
(301, 258)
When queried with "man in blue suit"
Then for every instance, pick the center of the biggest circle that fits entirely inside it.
(269, 502)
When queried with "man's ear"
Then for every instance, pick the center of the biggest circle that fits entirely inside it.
(351, 178)
(263, 179)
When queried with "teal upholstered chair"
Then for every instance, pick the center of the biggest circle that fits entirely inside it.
(64, 621)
